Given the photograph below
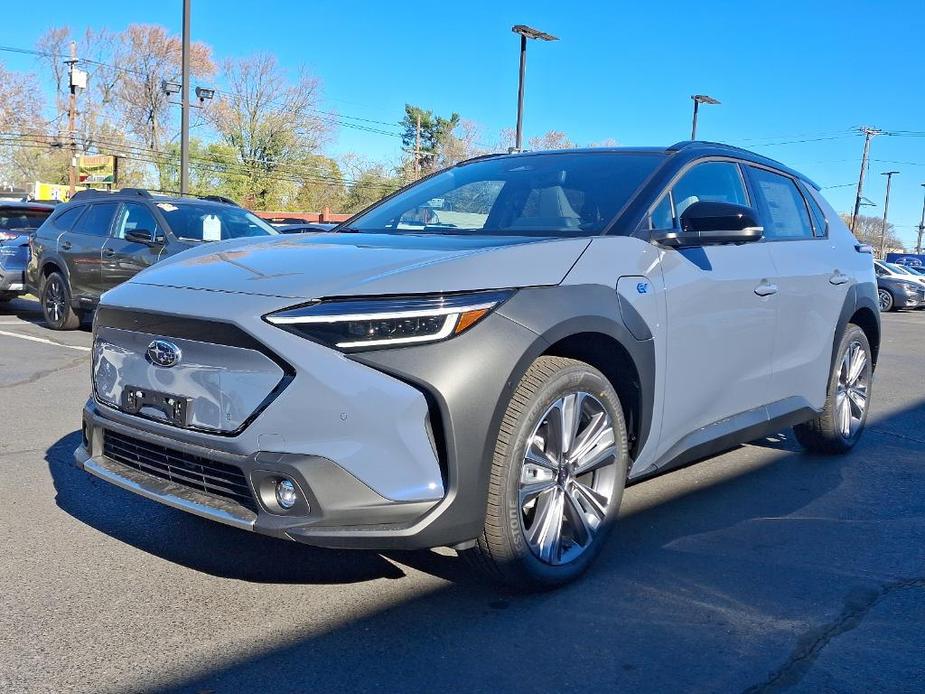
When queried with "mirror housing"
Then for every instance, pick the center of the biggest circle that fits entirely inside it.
(711, 223)
(143, 236)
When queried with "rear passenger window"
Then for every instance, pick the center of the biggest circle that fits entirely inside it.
(783, 208)
(97, 220)
(65, 220)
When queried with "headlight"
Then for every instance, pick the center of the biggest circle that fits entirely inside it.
(352, 324)
(909, 287)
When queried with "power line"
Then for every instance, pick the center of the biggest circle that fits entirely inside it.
(297, 173)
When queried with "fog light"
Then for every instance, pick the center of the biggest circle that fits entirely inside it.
(286, 494)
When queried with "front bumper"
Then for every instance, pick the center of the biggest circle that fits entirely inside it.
(341, 511)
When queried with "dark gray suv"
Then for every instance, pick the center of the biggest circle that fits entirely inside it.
(98, 240)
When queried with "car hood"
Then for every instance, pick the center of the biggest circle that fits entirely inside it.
(326, 265)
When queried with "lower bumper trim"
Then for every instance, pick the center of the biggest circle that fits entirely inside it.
(167, 493)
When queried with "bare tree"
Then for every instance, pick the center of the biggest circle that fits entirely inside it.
(868, 231)
(273, 125)
(146, 55)
(462, 143)
(552, 139)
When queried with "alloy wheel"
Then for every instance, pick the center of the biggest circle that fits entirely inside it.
(54, 300)
(567, 478)
(851, 394)
(885, 300)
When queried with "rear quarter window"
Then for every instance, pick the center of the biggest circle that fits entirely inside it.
(63, 220)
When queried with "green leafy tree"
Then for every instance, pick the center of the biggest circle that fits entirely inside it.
(436, 131)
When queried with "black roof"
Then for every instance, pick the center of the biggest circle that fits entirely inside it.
(688, 148)
(135, 193)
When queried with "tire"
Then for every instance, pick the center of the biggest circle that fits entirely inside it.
(885, 298)
(849, 387)
(516, 546)
(56, 304)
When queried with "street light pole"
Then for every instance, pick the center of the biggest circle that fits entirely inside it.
(184, 104)
(519, 132)
(699, 99)
(886, 208)
(918, 242)
(525, 33)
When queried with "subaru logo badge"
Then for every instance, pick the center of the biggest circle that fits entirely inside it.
(163, 353)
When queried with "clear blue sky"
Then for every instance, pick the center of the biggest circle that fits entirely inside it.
(625, 70)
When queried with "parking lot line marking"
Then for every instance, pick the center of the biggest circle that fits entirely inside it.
(44, 341)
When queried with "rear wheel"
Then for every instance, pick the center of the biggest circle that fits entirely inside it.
(56, 304)
(557, 477)
(842, 420)
(886, 300)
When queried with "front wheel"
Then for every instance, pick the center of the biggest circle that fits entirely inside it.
(886, 301)
(557, 477)
(840, 424)
(56, 304)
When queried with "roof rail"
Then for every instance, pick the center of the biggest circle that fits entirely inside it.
(94, 193)
(219, 198)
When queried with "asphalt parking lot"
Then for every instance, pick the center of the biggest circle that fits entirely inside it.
(762, 570)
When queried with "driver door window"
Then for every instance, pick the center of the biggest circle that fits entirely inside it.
(713, 181)
(133, 217)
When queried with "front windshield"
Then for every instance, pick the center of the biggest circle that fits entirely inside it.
(191, 221)
(567, 194)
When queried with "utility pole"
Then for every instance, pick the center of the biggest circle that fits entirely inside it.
(72, 120)
(868, 134)
(417, 146)
(918, 243)
(886, 209)
(184, 104)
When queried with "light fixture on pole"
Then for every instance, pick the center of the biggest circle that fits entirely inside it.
(886, 209)
(700, 99)
(525, 33)
(203, 93)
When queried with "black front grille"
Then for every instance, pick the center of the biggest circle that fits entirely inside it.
(193, 471)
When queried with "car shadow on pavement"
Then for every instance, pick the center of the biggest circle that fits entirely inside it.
(710, 579)
(29, 310)
(198, 543)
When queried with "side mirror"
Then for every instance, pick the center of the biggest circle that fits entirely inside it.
(712, 223)
(143, 236)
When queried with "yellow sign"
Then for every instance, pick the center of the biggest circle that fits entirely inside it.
(49, 191)
(98, 168)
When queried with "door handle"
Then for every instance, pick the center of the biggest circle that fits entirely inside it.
(65, 245)
(838, 277)
(766, 289)
(108, 252)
